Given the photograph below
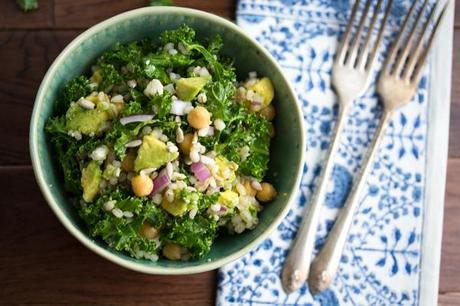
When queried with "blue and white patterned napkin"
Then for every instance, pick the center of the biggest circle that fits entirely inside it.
(381, 261)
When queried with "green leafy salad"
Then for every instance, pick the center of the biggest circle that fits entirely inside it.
(162, 147)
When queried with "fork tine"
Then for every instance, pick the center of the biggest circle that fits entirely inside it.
(394, 49)
(342, 50)
(419, 45)
(421, 62)
(377, 43)
(353, 53)
(362, 59)
(410, 41)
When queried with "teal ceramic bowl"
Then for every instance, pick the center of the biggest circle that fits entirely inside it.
(287, 147)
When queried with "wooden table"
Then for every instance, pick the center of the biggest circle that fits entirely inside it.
(41, 263)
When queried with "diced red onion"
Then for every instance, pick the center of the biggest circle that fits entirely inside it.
(200, 171)
(215, 207)
(210, 131)
(178, 107)
(256, 103)
(160, 182)
(135, 118)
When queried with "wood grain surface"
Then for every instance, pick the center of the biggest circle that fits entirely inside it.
(41, 262)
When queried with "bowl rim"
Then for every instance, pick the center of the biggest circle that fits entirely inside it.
(52, 202)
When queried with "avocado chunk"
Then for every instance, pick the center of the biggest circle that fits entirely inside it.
(188, 88)
(175, 208)
(226, 169)
(86, 121)
(264, 87)
(153, 153)
(229, 198)
(91, 177)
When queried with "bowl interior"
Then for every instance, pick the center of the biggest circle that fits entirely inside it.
(286, 149)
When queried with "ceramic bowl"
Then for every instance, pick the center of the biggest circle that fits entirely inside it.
(287, 147)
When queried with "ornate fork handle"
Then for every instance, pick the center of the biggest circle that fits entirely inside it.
(297, 264)
(324, 266)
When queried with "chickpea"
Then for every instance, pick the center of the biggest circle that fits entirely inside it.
(186, 145)
(148, 231)
(267, 193)
(127, 164)
(142, 185)
(268, 112)
(199, 118)
(172, 251)
(250, 191)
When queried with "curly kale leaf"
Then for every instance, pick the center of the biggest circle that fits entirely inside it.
(207, 200)
(155, 71)
(69, 152)
(141, 104)
(110, 77)
(28, 5)
(121, 134)
(130, 59)
(122, 54)
(252, 130)
(215, 44)
(222, 68)
(220, 99)
(121, 234)
(167, 60)
(56, 126)
(183, 34)
(74, 89)
(132, 108)
(198, 199)
(196, 235)
(162, 104)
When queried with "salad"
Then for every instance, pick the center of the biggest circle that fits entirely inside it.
(162, 148)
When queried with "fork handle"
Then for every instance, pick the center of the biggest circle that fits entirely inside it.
(325, 265)
(297, 263)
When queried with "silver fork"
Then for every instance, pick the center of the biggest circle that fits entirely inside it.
(397, 86)
(351, 75)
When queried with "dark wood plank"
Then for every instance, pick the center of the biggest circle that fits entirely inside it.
(454, 145)
(41, 256)
(85, 13)
(449, 299)
(450, 268)
(24, 57)
(224, 8)
(43, 264)
(457, 13)
(11, 16)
